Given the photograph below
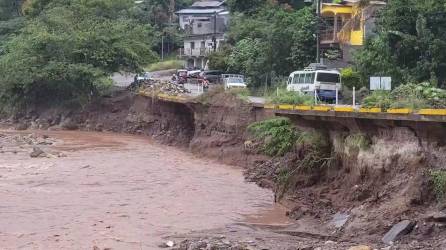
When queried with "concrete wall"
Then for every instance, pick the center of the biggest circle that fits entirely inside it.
(204, 24)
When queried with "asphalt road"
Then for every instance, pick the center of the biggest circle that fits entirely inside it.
(125, 79)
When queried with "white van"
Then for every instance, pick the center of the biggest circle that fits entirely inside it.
(233, 81)
(324, 81)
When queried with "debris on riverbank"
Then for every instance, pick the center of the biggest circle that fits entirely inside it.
(34, 144)
(149, 87)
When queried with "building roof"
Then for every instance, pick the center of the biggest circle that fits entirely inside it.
(207, 4)
(200, 11)
(354, 2)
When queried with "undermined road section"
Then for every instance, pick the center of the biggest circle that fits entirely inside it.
(380, 189)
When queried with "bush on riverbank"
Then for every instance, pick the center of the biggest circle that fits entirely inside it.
(218, 95)
(282, 96)
(412, 96)
(439, 182)
(313, 157)
(277, 135)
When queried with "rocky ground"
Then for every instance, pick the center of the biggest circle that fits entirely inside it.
(38, 146)
(149, 87)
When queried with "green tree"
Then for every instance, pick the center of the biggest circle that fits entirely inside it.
(274, 41)
(410, 45)
(69, 49)
(10, 20)
(252, 6)
(245, 6)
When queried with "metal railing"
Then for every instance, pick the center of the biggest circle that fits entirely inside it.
(328, 36)
(195, 52)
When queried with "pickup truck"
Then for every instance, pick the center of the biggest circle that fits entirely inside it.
(231, 81)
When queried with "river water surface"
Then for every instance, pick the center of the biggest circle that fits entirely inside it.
(118, 192)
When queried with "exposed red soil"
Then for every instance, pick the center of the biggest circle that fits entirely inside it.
(377, 187)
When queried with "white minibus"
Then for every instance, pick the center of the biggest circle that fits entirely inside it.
(311, 80)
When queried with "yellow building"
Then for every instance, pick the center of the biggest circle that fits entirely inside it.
(347, 22)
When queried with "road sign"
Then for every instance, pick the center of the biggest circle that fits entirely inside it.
(380, 83)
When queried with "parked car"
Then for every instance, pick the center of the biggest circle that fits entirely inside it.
(193, 73)
(144, 76)
(233, 81)
(212, 76)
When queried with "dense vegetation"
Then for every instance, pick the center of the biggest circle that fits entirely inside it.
(10, 19)
(413, 96)
(282, 96)
(160, 14)
(410, 44)
(267, 39)
(67, 50)
(278, 136)
(270, 38)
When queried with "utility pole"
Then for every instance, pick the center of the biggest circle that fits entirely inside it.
(167, 32)
(318, 31)
(214, 38)
(162, 47)
(171, 11)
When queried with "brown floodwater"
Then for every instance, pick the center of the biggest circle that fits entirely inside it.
(119, 192)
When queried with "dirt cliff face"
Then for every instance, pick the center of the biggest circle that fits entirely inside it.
(220, 130)
(377, 185)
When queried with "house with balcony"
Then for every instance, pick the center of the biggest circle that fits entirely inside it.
(204, 24)
(345, 27)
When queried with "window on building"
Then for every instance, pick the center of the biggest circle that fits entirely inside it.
(199, 25)
(192, 45)
(357, 23)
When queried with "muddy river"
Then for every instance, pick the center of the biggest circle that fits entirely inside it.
(115, 191)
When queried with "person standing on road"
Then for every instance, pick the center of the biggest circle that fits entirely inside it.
(174, 78)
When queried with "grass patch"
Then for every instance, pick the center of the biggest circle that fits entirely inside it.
(219, 96)
(166, 65)
(357, 142)
(278, 135)
(282, 96)
(242, 94)
(412, 96)
(378, 99)
(439, 182)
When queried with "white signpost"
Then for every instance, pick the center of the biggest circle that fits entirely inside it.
(380, 83)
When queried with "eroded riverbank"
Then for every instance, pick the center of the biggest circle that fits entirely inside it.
(114, 191)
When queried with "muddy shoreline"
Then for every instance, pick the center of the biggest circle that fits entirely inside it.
(375, 188)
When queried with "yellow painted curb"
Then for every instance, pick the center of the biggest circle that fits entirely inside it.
(302, 107)
(370, 110)
(269, 106)
(399, 111)
(321, 108)
(344, 109)
(286, 107)
(432, 112)
(171, 98)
